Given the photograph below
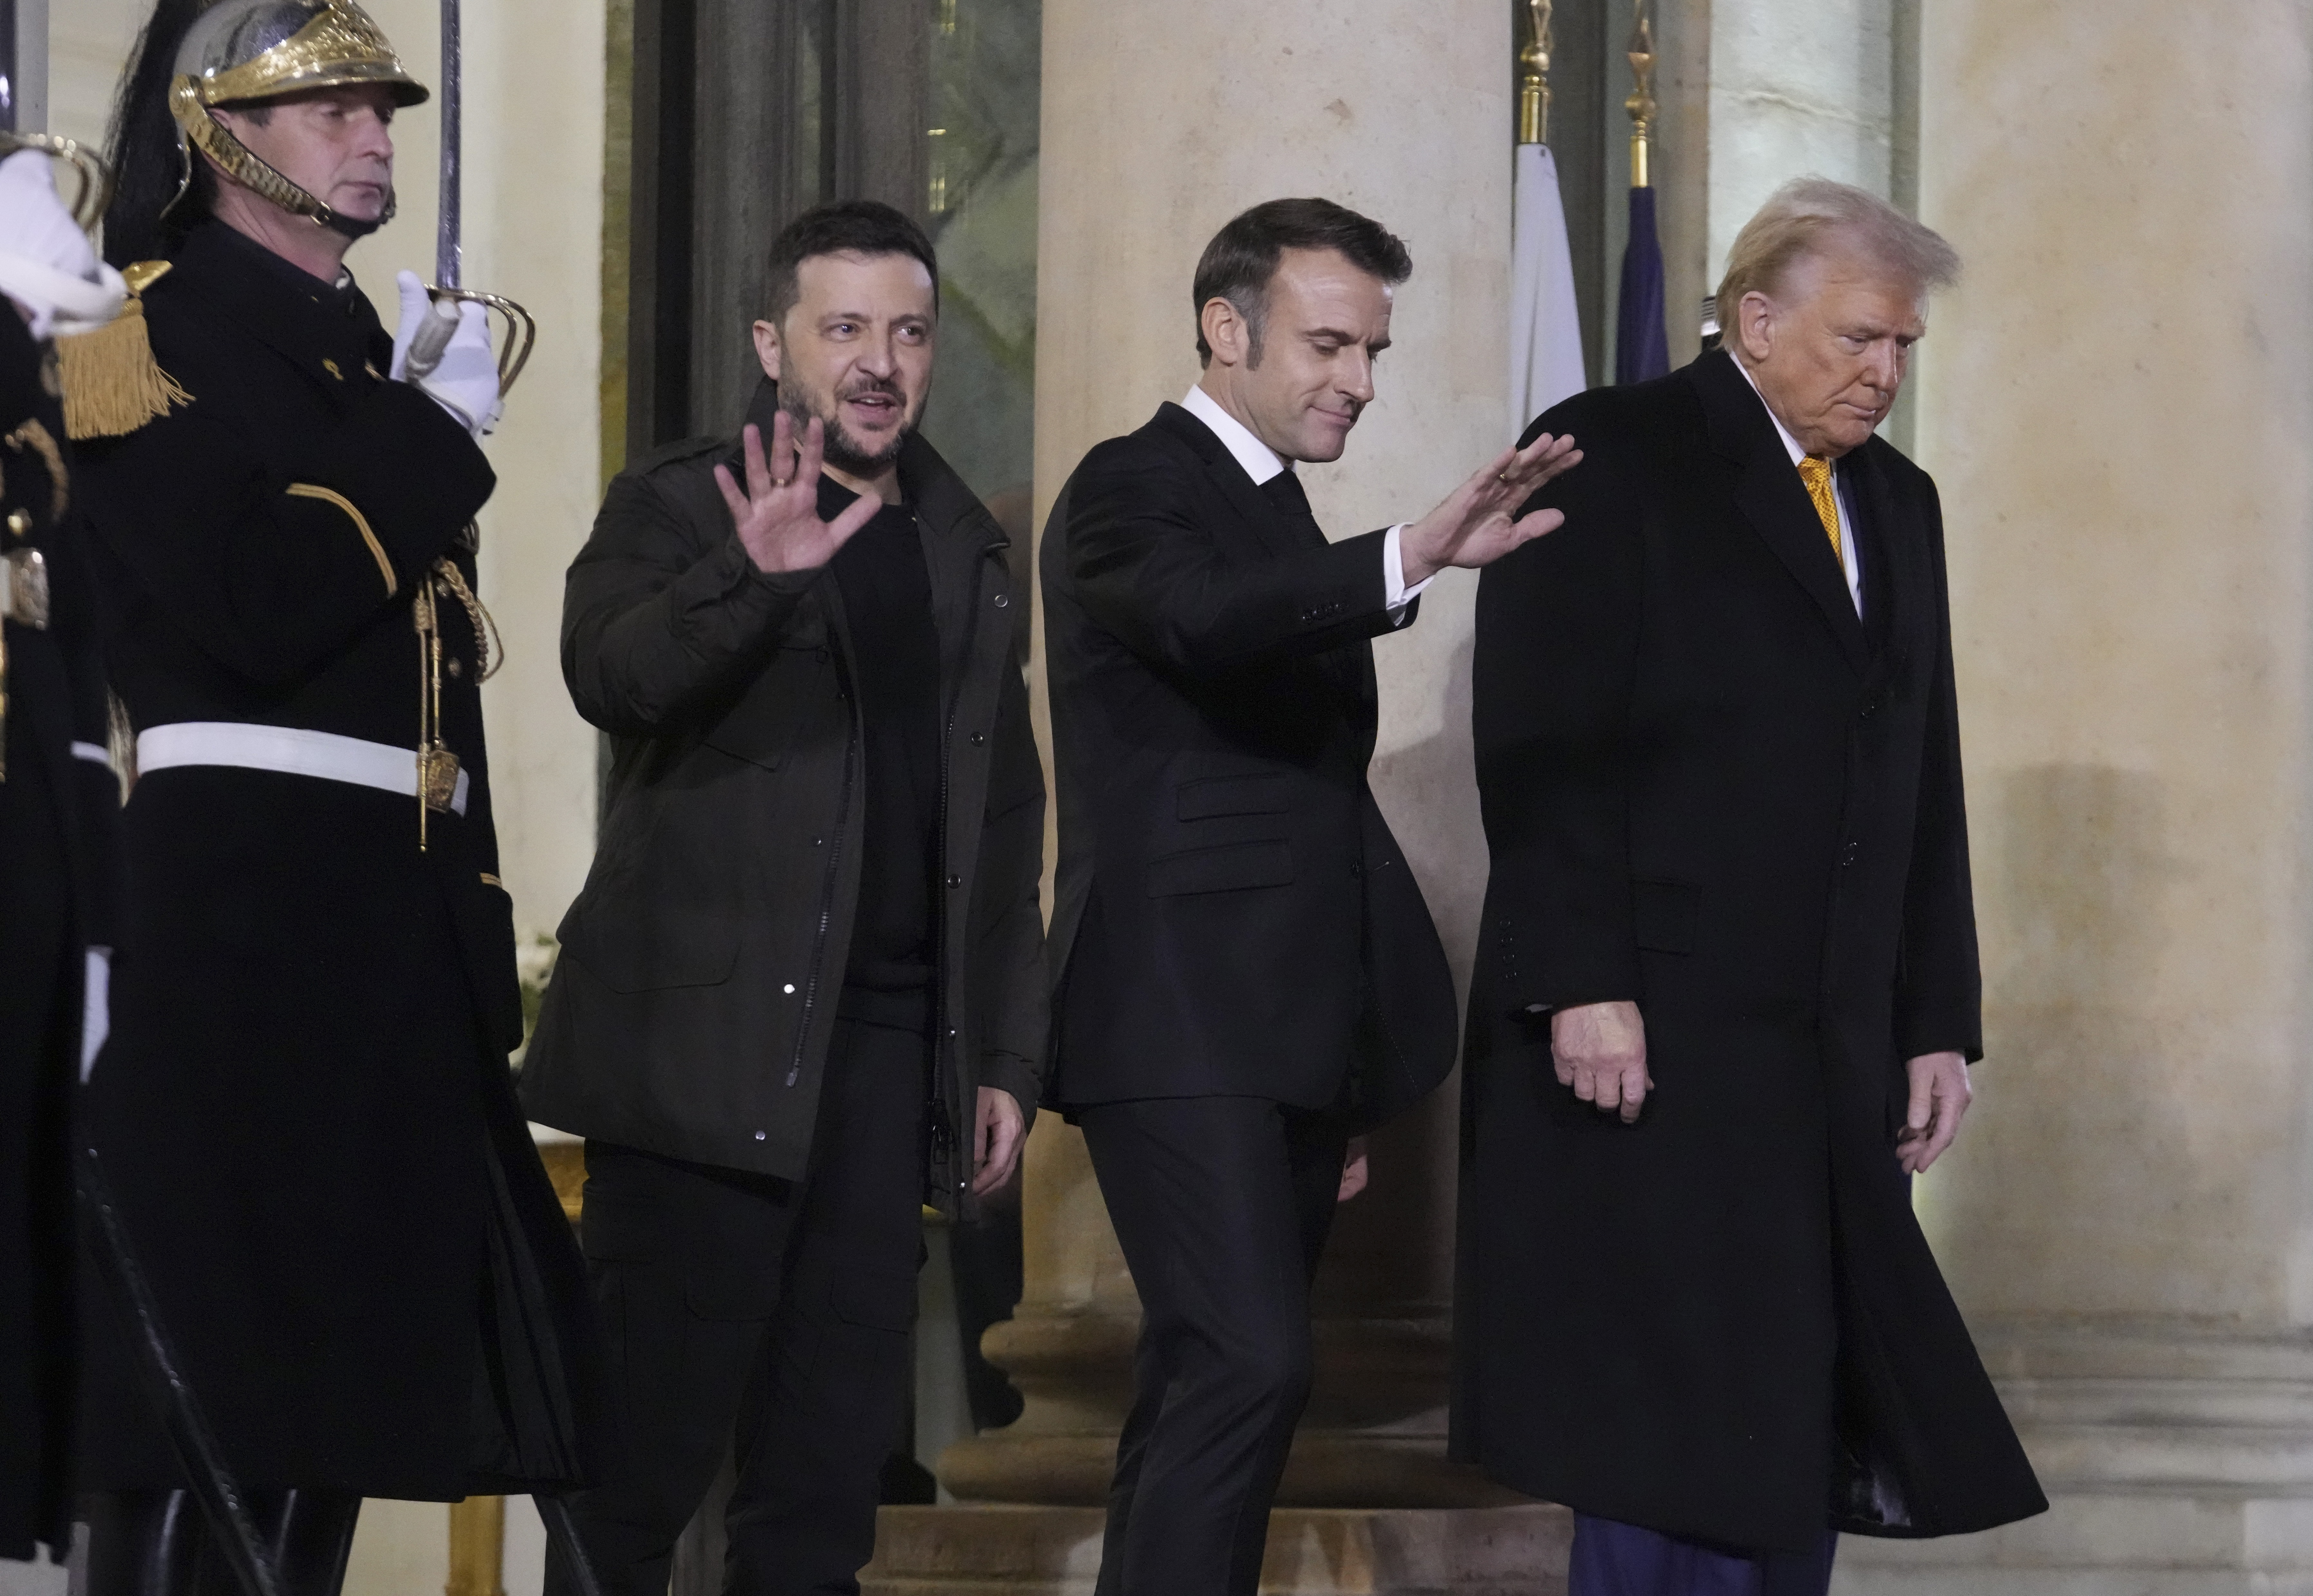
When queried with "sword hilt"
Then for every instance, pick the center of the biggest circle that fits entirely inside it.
(95, 191)
(521, 331)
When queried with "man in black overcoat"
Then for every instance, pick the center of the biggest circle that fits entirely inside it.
(801, 993)
(1726, 992)
(59, 808)
(1245, 972)
(304, 1106)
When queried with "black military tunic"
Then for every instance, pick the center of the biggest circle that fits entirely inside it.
(304, 1103)
(59, 805)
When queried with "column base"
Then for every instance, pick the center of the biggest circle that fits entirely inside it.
(980, 1550)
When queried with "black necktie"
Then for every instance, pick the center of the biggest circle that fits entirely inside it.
(1284, 491)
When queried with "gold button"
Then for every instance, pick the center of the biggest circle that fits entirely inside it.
(331, 366)
(457, 667)
(20, 521)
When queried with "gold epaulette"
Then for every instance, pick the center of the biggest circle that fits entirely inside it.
(112, 383)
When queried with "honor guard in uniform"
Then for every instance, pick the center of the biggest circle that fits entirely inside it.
(303, 1109)
(59, 805)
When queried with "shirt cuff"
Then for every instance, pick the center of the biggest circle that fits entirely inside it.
(1395, 592)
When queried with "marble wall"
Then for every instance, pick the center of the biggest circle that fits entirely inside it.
(2116, 403)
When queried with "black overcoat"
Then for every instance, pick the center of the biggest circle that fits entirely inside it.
(1232, 915)
(59, 807)
(305, 1105)
(693, 1007)
(1710, 788)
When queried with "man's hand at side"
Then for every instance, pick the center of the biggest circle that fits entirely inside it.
(1474, 526)
(1600, 1049)
(778, 517)
(1355, 1170)
(997, 1130)
(1940, 1092)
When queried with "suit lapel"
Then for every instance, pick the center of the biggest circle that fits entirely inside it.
(1773, 499)
(1351, 667)
(1252, 506)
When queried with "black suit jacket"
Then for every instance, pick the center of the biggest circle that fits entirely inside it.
(1710, 788)
(1233, 917)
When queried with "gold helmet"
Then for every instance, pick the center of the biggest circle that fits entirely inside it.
(240, 52)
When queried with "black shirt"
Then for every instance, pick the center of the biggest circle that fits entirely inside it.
(887, 600)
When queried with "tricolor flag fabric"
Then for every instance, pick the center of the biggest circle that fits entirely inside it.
(1545, 330)
(1641, 351)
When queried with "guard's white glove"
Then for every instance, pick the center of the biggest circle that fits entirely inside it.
(442, 349)
(47, 265)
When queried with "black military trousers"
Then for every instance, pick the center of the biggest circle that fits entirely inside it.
(1221, 1204)
(768, 1315)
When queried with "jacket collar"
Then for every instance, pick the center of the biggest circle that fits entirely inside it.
(1773, 499)
(1252, 504)
(927, 484)
(311, 324)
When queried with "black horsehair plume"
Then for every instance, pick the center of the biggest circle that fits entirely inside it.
(146, 164)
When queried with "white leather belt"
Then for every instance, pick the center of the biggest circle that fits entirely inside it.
(289, 750)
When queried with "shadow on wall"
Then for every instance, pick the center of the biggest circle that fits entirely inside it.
(2076, 1186)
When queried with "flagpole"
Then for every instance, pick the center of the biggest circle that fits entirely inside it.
(1533, 80)
(1545, 330)
(1641, 351)
(1642, 104)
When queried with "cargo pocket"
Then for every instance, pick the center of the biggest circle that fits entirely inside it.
(715, 1290)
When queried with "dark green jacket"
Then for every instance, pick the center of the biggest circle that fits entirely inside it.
(691, 1012)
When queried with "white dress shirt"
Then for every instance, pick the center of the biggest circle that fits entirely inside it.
(1846, 528)
(1261, 462)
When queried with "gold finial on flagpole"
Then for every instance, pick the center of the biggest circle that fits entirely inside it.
(1533, 82)
(1641, 103)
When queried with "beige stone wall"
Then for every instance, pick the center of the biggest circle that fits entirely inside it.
(2116, 404)
(1146, 177)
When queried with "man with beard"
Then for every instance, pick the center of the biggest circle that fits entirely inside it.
(801, 992)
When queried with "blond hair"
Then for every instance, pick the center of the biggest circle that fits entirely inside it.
(1812, 216)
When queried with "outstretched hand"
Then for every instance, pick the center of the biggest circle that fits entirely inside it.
(1478, 522)
(778, 517)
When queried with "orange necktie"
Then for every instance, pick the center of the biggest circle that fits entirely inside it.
(1815, 472)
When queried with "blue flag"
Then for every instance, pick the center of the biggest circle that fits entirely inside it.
(1641, 353)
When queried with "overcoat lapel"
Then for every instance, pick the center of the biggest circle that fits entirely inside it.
(1773, 499)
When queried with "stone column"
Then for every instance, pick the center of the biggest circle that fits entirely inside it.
(1162, 118)
(2115, 404)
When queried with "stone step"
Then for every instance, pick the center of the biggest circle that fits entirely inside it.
(996, 1550)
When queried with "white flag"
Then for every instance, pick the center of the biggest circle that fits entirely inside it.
(1545, 330)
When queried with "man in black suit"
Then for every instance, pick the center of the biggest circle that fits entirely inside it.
(1727, 987)
(1247, 974)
